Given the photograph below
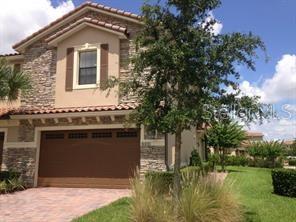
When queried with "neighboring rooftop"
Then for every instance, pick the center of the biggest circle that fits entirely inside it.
(254, 134)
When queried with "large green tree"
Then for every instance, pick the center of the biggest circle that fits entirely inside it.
(181, 65)
(224, 135)
(12, 82)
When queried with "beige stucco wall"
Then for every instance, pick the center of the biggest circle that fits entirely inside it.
(86, 97)
(188, 144)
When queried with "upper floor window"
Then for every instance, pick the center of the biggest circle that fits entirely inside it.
(87, 67)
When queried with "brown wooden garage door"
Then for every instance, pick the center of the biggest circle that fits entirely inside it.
(88, 158)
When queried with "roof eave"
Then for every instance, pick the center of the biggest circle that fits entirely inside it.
(55, 41)
(20, 47)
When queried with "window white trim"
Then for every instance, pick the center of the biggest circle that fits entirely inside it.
(77, 50)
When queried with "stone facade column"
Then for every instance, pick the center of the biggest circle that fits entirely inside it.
(22, 160)
(152, 154)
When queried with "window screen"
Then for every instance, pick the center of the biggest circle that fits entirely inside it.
(87, 67)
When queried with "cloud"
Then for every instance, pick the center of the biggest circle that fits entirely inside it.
(280, 87)
(217, 27)
(277, 129)
(19, 19)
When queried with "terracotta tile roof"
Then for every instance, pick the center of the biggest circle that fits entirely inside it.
(86, 4)
(4, 112)
(127, 106)
(96, 22)
(10, 54)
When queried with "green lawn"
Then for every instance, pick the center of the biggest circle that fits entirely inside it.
(116, 212)
(252, 185)
(254, 188)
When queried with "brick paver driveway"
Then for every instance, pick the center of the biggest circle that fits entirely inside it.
(54, 204)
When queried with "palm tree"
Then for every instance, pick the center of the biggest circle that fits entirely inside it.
(12, 82)
(223, 135)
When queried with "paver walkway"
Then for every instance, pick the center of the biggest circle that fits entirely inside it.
(54, 204)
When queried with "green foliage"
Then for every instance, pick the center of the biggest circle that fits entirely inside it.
(11, 185)
(284, 182)
(12, 82)
(180, 66)
(292, 162)
(206, 167)
(8, 175)
(160, 180)
(256, 150)
(10, 181)
(273, 149)
(225, 135)
(236, 161)
(255, 191)
(269, 152)
(204, 199)
(195, 158)
(214, 160)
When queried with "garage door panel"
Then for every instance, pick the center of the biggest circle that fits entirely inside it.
(89, 154)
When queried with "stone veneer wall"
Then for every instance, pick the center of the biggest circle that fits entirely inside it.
(40, 62)
(21, 160)
(152, 158)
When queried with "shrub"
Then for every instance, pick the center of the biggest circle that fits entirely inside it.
(161, 181)
(265, 163)
(206, 167)
(284, 182)
(204, 199)
(292, 162)
(8, 175)
(236, 161)
(195, 158)
(147, 204)
(11, 185)
(208, 200)
(214, 160)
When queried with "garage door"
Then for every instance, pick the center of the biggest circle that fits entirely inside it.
(88, 158)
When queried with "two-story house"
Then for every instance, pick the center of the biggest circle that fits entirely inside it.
(67, 131)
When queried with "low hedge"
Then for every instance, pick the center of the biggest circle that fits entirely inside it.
(292, 162)
(284, 182)
(236, 161)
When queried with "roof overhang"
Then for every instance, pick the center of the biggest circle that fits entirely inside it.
(20, 46)
(83, 23)
(70, 115)
(13, 57)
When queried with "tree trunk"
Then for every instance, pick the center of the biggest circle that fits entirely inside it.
(223, 159)
(177, 179)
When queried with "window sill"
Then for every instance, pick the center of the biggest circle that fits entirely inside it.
(90, 86)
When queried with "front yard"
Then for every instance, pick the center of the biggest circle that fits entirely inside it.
(252, 185)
